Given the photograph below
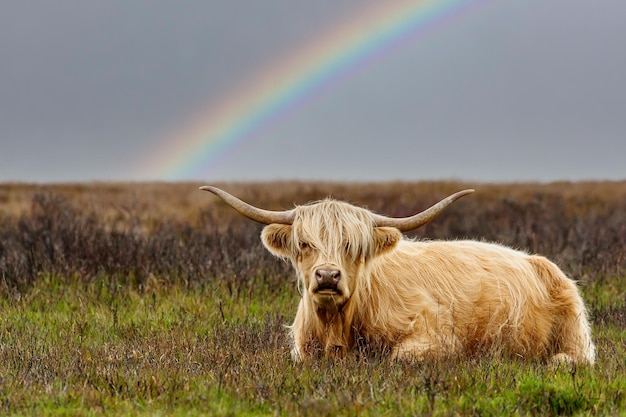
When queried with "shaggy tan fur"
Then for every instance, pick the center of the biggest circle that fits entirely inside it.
(428, 299)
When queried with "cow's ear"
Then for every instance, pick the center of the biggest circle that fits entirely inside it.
(385, 239)
(277, 239)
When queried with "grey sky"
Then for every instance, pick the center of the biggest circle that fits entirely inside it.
(531, 90)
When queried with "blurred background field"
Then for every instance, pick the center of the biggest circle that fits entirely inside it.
(174, 231)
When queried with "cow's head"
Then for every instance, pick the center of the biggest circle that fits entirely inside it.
(330, 242)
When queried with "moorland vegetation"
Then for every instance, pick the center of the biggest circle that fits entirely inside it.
(158, 299)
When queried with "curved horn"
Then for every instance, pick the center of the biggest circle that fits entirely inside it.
(405, 224)
(251, 212)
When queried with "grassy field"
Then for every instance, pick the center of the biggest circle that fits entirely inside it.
(157, 299)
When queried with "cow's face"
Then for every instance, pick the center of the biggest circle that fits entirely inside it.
(329, 244)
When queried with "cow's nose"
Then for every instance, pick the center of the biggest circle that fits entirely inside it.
(328, 277)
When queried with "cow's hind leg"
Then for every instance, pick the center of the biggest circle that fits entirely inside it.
(571, 332)
(572, 336)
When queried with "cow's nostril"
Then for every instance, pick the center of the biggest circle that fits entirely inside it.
(327, 276)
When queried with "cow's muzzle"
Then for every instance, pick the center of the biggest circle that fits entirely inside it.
(327, 280)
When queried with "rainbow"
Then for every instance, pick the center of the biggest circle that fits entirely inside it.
(287, 85)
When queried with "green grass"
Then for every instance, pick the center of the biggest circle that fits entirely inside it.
(69, 347)
(73, 348)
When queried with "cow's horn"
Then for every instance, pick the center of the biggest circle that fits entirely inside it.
(251, 212)
(413, 222)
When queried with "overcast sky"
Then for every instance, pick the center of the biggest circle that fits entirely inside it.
(509, 91)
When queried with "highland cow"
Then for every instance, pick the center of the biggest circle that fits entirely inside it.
(363, 283)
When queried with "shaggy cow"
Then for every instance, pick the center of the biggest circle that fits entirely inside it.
(363, 283)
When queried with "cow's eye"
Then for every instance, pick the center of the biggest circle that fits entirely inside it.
(304, 246)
